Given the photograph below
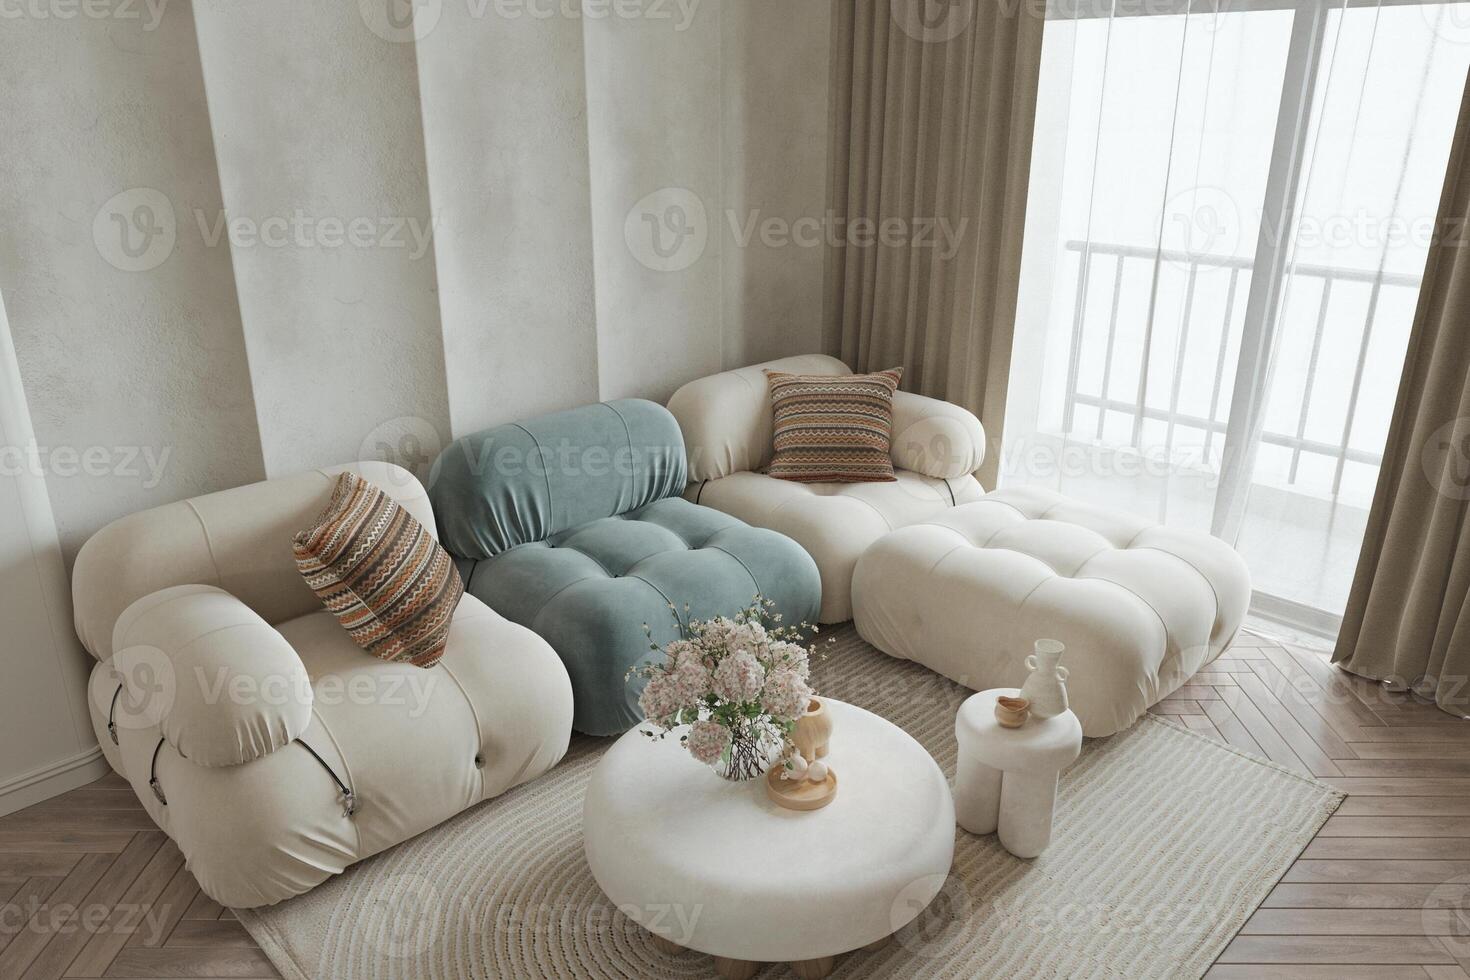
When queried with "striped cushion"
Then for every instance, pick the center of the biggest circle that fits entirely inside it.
(381, 573)
(833, 429)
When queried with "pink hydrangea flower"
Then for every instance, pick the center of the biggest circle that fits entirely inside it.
(786, 695)
(790, 656)
(739, 677)
(691, 680)
(708, 741)
(660, 699)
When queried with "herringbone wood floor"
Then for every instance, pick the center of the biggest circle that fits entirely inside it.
(93, 889)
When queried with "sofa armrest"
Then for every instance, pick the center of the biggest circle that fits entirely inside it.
(935, 438)
(222, 686)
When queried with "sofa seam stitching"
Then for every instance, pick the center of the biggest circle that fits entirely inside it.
(475, 715)
(219, 580)
(545, 471)
(753, 580)
(346, 770)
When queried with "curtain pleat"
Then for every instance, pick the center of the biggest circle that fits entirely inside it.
(1408, 617)
(930, 129)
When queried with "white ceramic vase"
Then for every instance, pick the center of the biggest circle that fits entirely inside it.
(1046, 687)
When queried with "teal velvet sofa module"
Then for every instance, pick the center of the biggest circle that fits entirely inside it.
(573, 524)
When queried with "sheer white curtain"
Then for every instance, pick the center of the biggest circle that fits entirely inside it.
(1230, 207)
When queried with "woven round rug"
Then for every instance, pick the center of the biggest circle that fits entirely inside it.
(1164, 843)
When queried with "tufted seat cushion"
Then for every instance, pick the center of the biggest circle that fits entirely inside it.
(1141, 607)
(835, 522)
(589, 591)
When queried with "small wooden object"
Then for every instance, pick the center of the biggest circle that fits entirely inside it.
(813, 731)
(800, 794)
(1011, 712)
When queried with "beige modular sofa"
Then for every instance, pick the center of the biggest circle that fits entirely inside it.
(726, 421)
(270, 747)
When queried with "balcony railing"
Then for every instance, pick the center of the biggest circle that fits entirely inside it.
(1340, 452)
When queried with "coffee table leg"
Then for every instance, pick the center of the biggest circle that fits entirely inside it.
(735, 969)
(814, 969)
(665, 945)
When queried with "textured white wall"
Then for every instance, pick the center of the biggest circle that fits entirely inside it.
(505, 127)
(547, 144)
(321, 161)
(49, 747)
(126, 326)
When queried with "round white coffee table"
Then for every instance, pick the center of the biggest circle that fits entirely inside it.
(715, 866)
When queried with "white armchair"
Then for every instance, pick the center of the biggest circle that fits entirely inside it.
(726, 421)
(257, 734)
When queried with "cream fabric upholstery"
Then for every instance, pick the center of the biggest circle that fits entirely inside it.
(726, 417)
(238, 691)
(414, 746)
(726, 421)
(834, 522)
(1140, 607)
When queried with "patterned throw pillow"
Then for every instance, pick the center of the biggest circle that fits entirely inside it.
(833, 428)
(385, 578)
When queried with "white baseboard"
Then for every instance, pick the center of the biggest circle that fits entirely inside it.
(40, 784)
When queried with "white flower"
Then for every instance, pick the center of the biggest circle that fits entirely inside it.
(786, 695)
(739, 677)
(660, 699)
(707, 741)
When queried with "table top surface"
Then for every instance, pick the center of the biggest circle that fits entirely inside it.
(664, 832)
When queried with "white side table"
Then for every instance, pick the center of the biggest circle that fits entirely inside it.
(1006, 778)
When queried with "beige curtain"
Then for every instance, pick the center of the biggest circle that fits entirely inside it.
(933, 105)
(1408, 617)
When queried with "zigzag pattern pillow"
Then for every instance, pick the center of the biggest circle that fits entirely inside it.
(388, 582)
(833, 429)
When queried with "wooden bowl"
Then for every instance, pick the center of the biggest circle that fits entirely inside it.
(1011, 712)
(800, 794)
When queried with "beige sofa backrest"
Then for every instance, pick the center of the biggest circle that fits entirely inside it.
(238, 540)
(726, 417)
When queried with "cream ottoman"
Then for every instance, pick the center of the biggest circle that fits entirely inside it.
(1141, 607)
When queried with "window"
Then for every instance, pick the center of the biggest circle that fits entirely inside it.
(1229, 213)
